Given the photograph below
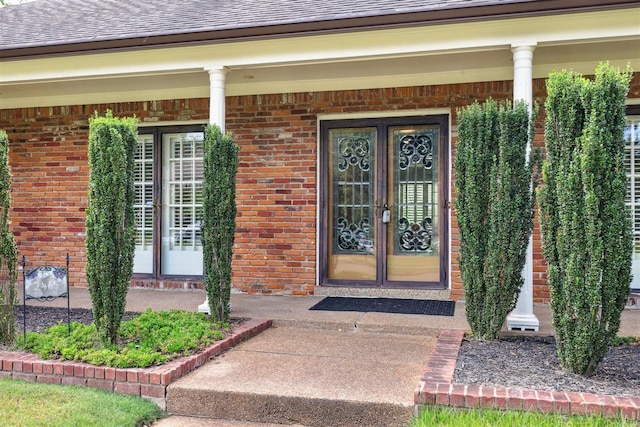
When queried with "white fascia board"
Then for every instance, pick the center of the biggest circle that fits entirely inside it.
(358, 45)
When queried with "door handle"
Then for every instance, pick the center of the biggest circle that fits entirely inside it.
(153, 205)
(379, 208)
(386, 214)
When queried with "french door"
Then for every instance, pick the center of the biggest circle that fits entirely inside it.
(632, 163)
(168, 202)
(384, 202)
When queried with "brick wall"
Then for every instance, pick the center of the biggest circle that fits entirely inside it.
(48, 158)
(277, 135)
(276, 237)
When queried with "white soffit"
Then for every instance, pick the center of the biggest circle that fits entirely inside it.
(453, 53)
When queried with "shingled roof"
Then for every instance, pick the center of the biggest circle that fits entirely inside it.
(62, 26)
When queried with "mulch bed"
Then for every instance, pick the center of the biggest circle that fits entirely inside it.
(40, 318)
(531, 362)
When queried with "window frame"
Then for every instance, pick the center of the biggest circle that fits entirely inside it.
(383, 124)
(632, 110)
(158, 132)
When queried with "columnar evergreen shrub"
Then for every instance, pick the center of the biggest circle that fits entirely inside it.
(494, 206)
(586, 227)
(110, 220)
(219, 220)
(8, 251)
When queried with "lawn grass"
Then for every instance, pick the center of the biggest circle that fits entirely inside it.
(445, 416)
(26, 404)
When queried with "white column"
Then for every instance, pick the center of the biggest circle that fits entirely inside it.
(522, 317)
(217, 83)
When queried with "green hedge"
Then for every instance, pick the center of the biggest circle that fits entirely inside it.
(219, 221)
(8, 250)
(110, 240)
(586, 227)
(494, 207)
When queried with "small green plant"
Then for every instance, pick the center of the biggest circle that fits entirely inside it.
(617, 341)
(8, 251)
(219, 221)
(110, 219)
(36, 404)
(586, 227)
(150, 338)
(454, 417)
(494, 206)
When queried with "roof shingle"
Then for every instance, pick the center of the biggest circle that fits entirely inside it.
(49, 22)
(46, 23)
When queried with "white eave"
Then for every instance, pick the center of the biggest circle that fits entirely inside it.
(418, 55)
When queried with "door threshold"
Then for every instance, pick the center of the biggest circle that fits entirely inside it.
(340, 291)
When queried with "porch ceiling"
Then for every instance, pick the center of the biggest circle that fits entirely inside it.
(417, 55)
(440, 68)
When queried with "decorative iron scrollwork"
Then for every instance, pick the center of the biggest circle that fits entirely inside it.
(353, 152)
(354, 238)
(415, 237)
(416, 149)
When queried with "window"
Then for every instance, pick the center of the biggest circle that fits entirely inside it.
(168, 202)
(632, 164)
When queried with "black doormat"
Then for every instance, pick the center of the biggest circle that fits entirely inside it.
(387, 305)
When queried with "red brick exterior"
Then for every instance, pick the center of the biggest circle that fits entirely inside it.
(275, 251)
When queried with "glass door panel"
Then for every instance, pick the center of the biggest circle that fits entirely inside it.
(143, 205)
(412, 182)
(352, 248)
(632, 163)
(182, 175)
(384, 218)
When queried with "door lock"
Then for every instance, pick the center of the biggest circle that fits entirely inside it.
(386, 214)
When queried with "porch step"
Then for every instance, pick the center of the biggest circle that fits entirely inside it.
(311, 377)
(273, 409)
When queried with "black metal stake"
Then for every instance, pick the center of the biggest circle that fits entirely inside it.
(24, 301)
(68, 300)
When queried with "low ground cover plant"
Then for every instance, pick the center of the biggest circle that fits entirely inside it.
(150, 338)
(36, 404)
(617, 341)
(445, 416)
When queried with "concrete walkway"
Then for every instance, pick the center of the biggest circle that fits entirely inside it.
(313, 368)
(294, 311)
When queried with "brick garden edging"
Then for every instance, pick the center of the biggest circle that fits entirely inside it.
(437, 388)
(150, 383)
